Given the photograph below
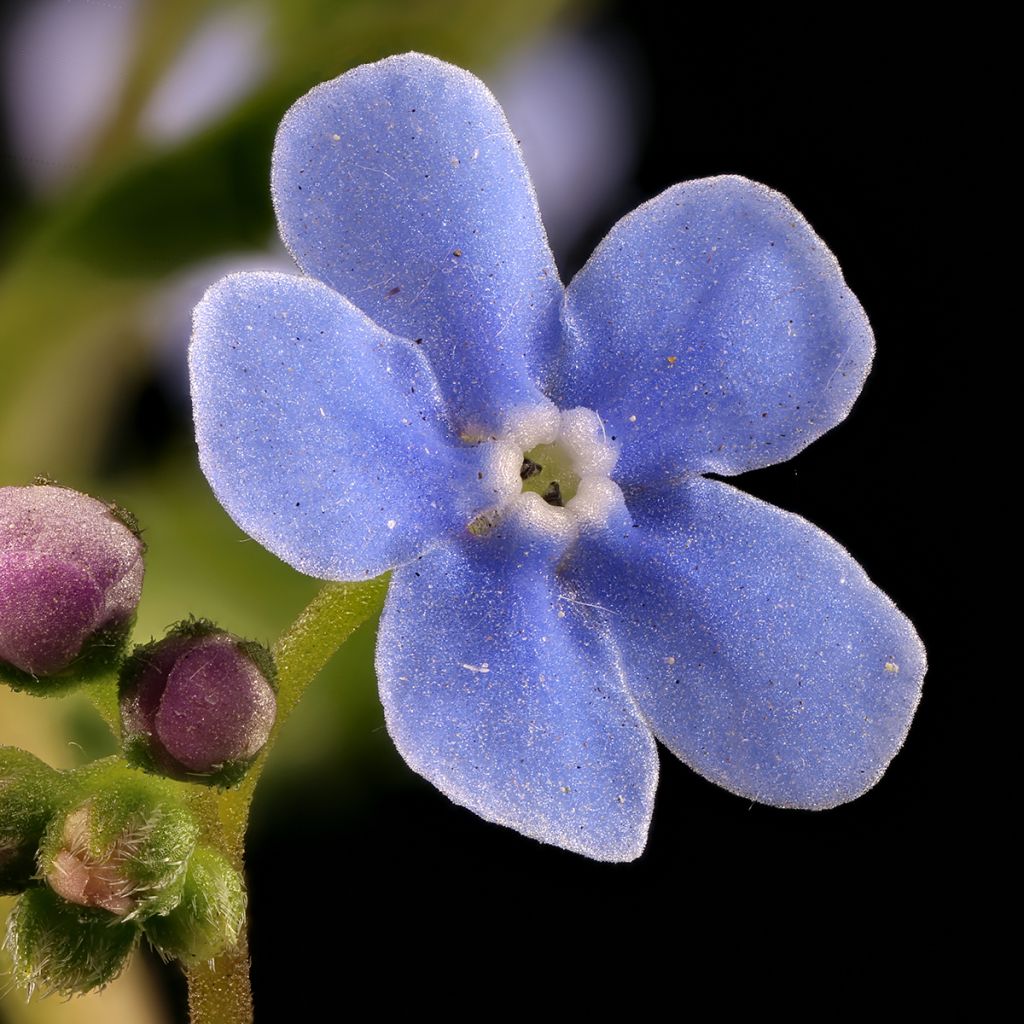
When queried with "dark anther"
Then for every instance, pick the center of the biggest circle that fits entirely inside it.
(553, 495)
(529, 468)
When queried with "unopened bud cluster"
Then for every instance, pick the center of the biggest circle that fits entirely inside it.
(197, 705)
(116, 855)
(106, 854)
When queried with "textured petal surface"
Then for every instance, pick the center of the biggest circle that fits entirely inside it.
(401, 185)
(713, 332)
(322, 435)
(759, 651)
(498, 692)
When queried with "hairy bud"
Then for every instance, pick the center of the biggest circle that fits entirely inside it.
(209, 918)
(121, 845)
(71, 573)
(198, 705)
(63, 949)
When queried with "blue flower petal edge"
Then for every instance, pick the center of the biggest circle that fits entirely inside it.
(322, 434)
(567, 586)
(515, 707)
(713, 329)
(758, 650)
(401, 185)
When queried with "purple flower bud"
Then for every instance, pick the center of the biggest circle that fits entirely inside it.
(197, 705)
(70, 579)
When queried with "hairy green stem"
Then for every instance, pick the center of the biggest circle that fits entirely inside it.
(220, 993)
(103, 694)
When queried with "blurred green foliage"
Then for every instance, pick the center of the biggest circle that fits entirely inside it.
(78, 278)
(81, 268)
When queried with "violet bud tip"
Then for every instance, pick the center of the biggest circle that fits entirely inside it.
(71, 570)
(197, 705)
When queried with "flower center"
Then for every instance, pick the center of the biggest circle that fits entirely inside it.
(548, 470)
(553, 468)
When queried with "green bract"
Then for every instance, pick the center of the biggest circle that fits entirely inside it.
(29, 794)
(209, 918)
(63, 949)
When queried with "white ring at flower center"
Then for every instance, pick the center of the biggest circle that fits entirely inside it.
(581, 436)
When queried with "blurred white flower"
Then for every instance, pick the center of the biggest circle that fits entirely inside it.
(219, 66)
(63, 69)
(575, 102)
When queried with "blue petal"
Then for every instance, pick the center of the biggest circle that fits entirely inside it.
(759, 651)
(322, 435)
(498, 692)
(713, 332)
(401, 185)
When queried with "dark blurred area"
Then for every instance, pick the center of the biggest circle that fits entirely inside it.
(101, 264)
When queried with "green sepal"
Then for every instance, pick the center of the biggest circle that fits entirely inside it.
(210, 916)
(63, 949)
(99, 660)
(30, 793)
(122, 842)
(193, 626)
(128, 519)
(139, 753)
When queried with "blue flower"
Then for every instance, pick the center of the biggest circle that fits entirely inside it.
(568, 585)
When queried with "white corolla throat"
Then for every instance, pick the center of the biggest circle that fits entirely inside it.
(553, 469)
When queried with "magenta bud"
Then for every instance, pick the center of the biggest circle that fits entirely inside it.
(198, 705)
(71, 573)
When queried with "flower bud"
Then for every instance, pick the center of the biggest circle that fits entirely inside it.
(63, 949)
(198, 705)
(209, 918)
(70, 579)
(121, 845)
(29, 794)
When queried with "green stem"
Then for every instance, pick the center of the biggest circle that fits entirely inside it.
(220, 993)
(103, 694)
